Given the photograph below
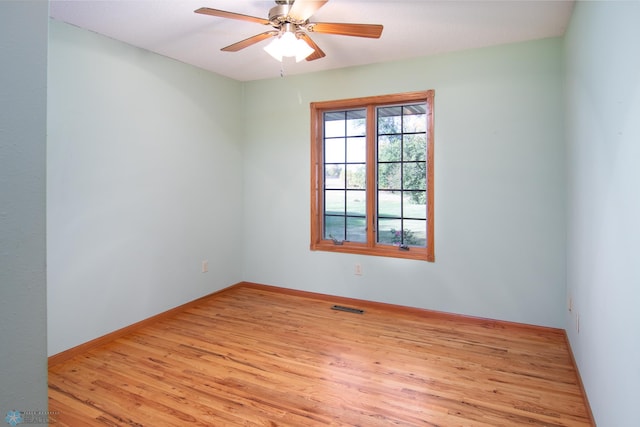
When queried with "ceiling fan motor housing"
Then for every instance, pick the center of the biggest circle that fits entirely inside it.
(279, 15)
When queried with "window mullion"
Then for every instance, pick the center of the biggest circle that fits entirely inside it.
(402, 180)
(344, 183)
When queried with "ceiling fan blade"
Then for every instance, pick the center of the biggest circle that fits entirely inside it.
(249, 41)
(373, 31)
(303, 9)
(318, 53)
(230, 15)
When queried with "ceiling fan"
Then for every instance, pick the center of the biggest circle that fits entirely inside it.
(290, 22)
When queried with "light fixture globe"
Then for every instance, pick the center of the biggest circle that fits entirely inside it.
(287, 44)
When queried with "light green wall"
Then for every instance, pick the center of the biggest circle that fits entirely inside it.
(144, 182)
(23, 100)
(499, 185)
(603, 152)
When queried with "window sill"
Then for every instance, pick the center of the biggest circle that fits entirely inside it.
(414, 253)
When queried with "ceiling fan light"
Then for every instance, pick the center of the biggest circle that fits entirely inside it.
(274, 49)
(302, 50)
(288, 45)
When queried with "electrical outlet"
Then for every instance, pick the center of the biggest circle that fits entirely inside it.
(205, 266)
(357, 270)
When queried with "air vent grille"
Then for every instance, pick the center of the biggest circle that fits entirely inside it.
(347, 309)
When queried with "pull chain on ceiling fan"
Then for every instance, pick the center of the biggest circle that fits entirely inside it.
(290, 20)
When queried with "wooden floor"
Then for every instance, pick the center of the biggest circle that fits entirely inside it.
(257, 357)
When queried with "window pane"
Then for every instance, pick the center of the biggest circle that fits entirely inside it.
(414, 147)
(414, 176)
(334, 176)
(414, 118)
(389, 176)
(389, 120)
(356, 176)
(402, 153)
(356, 123)
(389, 148)
(334, 124)
(356, 202)
(357, 150)
(334, 227)
(389, 204)
(334, 202)
(334, 150)
(415, 232)
(389, 231)
(356, 229)
(414, 204)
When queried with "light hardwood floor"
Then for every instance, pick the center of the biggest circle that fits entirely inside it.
(256, 356)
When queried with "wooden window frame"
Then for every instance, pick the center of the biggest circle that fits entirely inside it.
(370, 247)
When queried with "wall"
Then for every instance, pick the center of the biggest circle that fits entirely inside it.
(603, 139)
(144, 183)
(499, 185)
(23, 100)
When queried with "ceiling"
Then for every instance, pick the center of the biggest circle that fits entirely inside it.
(412, 28)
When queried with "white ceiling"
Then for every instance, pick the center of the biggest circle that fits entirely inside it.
(412, 28)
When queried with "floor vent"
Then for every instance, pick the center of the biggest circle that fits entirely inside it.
(347, 309)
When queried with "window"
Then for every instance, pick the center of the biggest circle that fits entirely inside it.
(372, 176)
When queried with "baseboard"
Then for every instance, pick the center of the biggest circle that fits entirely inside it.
(403, 309)
(580, 383)
(112, 336)
(489, 323)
